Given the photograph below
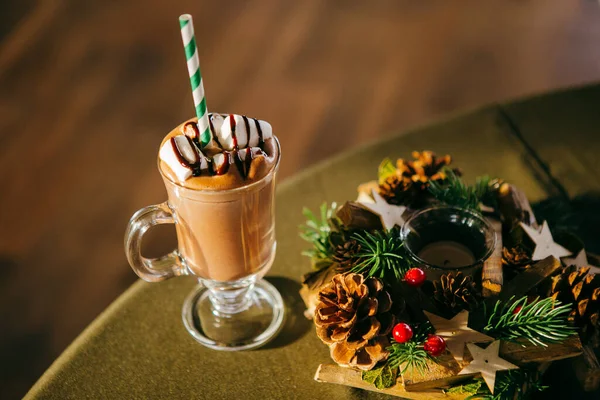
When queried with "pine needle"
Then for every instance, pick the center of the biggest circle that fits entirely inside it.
(317, 230)
(410, 356)
(454, 192)
(541, 321)
(381, 255)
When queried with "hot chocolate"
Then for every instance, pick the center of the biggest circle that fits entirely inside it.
(222, 195)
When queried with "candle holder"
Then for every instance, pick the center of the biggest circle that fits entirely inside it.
(444, 239)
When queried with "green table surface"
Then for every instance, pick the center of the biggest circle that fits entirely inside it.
(138, 347)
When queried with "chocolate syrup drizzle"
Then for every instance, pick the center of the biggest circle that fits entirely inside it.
(236, 149)
(261, 141)
(231, 157)
(249, 153)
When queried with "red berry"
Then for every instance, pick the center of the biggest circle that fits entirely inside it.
(415, 277)
(402, 332)
(434, 345)
(517, 309)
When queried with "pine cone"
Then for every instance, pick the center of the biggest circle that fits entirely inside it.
(410, 183)
(515, 257)
(428, 167)
(398, 190)
(455, 292)
(344, 255)
(353, 317)
(582, 290)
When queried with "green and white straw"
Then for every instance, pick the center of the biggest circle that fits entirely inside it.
(193, 65)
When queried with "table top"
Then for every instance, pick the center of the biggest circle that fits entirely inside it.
(139, 348)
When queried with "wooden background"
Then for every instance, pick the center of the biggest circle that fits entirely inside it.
(88, 89)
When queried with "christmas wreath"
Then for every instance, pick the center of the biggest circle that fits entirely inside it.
(396, 323)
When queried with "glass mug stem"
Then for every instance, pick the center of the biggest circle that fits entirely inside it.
(151, 269)
(231, 298)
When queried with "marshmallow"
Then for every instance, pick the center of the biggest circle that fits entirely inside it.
(181, 155)
(233, 125)
(266, 128)
(246, 131)
(220, 163)
(255, 151)
(190, 129)
(253, 137)
(216, 122)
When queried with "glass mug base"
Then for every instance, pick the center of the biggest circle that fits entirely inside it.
(258, 316)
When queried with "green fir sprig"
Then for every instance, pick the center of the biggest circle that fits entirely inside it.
(514, 384)
(411, 354)
(454, 192)
(317, 230)
(541, 321)
(381, 255)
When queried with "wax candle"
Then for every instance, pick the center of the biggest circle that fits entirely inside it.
(447, 254)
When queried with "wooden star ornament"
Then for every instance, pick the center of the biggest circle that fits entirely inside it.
(487, 362)
(364, 198)
(456, 333)
(580, 261)
(544, 243)
(390, 214)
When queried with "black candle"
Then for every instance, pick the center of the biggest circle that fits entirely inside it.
(447, 254)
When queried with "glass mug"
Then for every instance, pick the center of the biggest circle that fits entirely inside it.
(226, 239)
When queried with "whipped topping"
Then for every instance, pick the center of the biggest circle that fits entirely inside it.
(235, 139)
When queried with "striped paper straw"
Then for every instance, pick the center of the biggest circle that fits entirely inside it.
(193, 65)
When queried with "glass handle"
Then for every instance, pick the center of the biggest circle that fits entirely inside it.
(151, 269)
